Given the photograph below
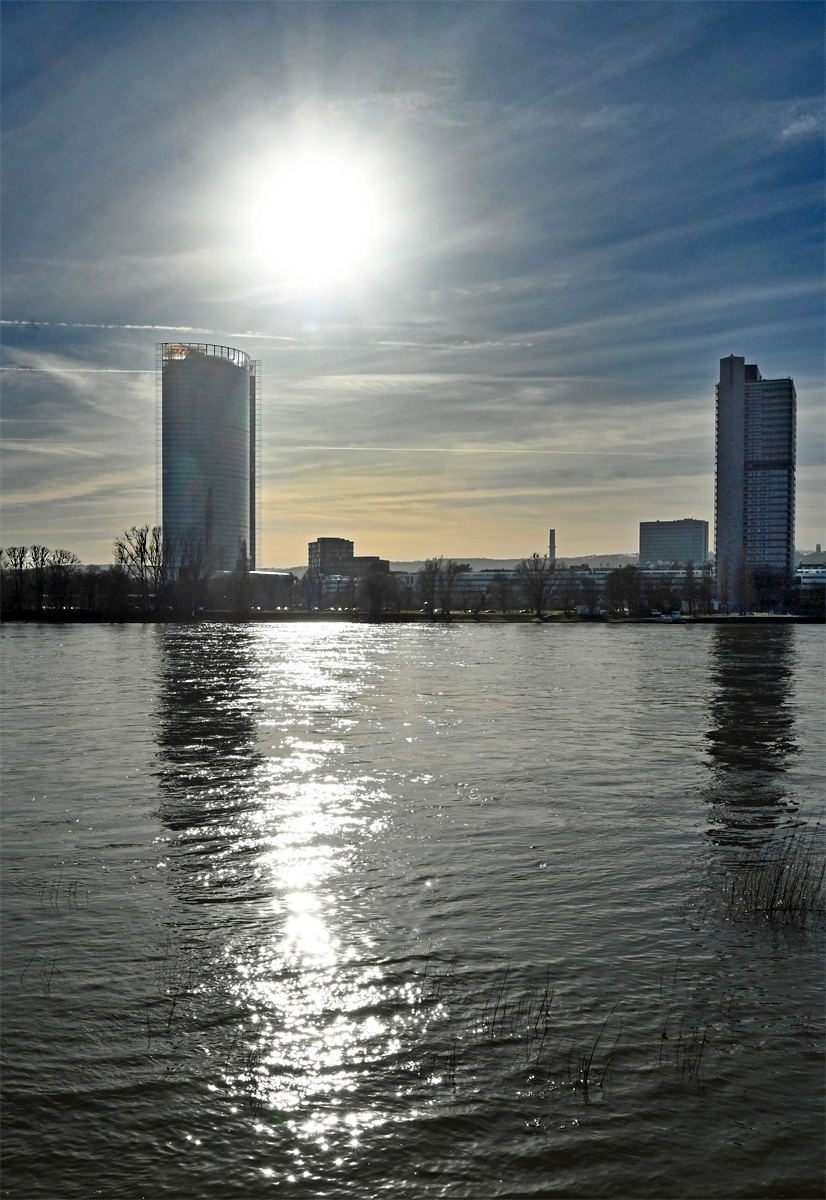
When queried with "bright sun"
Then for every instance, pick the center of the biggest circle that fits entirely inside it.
(317, 221)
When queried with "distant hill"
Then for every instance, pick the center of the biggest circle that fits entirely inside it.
(476, 564)
(502, 564)
(593, 560)
(508, 564)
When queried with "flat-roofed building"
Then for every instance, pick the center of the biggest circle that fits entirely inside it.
(680, 541)
(330, 556)
(364, 563)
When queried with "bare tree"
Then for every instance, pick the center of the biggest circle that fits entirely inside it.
(614, 593)
(114, 590)
(91, 587)
(132, 553)
(62, 565)
(17, 556)
(586, 593)
(156, 549)
(569, 591)
(171, 558)
(537, 580)
(378, 591)
(148, 558)
(472, 599)
(446, 586)
(690, 587)
(632, 584)
(502, 593)
(39, 559)
(429, 576)
(312, 589)
(623, 590)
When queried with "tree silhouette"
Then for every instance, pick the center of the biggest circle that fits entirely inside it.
(39, 558)
(536, 576)
(428, 584)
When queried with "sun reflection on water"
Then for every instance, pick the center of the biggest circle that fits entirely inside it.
(273, 813)
(317, 1005)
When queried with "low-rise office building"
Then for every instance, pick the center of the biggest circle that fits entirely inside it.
(330, 556)
(680, 541)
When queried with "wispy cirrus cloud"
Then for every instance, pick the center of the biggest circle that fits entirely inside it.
(590, 205)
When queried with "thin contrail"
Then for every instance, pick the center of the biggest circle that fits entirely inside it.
(81, 370)
(496, 450)
(273, 337)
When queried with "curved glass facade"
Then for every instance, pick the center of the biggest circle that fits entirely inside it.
(208, 437)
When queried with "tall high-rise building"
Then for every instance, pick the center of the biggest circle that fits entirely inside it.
(754, 487)
(680, 541)
(209, 452)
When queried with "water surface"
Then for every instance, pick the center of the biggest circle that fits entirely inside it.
(420, 911)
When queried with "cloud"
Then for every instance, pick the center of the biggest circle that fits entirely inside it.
(22, 446)
(590, 205)
(79, 370)
(188, 329)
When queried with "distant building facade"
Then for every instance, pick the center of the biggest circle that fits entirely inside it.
(755, 477)
(334, 557)
(209, 453)
(673, 541)
(330, 556)
(362, 563)
(811, 577)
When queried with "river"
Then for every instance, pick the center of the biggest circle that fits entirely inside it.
(417, 911)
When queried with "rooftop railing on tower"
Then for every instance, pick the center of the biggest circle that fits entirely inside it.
(175, 351)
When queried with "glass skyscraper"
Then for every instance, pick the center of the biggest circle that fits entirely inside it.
(755, 481)
(208, 451)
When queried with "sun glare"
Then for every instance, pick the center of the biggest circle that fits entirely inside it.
(317, 220)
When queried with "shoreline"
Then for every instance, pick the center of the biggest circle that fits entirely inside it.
(226, 617)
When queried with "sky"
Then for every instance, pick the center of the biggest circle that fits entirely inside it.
(541, 226)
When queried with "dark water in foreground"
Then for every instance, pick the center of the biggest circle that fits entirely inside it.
(409, 911)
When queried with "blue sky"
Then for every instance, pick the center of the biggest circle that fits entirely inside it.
(581, 208)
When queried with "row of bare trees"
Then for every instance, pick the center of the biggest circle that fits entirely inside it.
(745, 588)
(156, 572)
(37, 578)
(150, 572)
(629, 590)
(167, 570)
(438, 586)
(443, 587)
(374, 592)
(543, 586)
